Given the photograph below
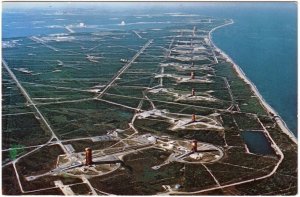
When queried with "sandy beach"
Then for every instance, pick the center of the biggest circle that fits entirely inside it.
(241, 74)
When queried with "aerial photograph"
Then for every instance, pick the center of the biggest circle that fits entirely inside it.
(149, 98)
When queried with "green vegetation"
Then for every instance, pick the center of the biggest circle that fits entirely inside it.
(80, 189)
(36, 163)
(19, 130)
(15, 151)
(247, 122)
(138, 175)
(194, 178)
(90, 118)
(65, 85)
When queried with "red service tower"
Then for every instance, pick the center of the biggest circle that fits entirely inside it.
(193, 92)
(192, 75)
(194, 146)
(193, 118)
(88, 157)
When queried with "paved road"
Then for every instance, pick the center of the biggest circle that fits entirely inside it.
(124, 68)
(28, 98)
(38, 40)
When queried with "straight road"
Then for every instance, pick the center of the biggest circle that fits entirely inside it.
(123, 69)
(28, 98)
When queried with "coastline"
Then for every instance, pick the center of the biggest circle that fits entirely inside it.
(280, 122)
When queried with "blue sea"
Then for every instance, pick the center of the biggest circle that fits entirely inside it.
(262, 41)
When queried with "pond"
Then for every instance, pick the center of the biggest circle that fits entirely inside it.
(257, 142)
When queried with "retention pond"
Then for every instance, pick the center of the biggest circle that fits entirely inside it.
(257, 142)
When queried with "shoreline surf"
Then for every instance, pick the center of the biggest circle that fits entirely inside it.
(280, 122)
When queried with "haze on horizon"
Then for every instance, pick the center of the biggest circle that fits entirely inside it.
(12, 6)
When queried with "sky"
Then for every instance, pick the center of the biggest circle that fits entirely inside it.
(120, 5)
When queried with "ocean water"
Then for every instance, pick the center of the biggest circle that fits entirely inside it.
(262, 41)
